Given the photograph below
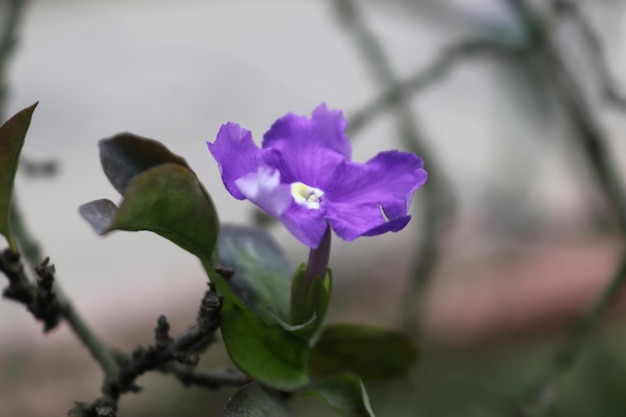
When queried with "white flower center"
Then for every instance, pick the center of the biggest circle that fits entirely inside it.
(305, 195)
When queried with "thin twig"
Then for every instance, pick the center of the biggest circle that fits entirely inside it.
(184, 350)
(120, 371)
(436, 195)
(46, 304)
(210, 380)
(87, 336)
(32, 252)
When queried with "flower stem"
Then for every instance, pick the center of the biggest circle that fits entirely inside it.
(318, 259)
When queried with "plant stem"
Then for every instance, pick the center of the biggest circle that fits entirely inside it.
(94, 345)
(318, 259)
(32, 252)
(12, 243)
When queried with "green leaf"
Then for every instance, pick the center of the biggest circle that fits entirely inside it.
(124, 156)
(310, 301)
(373, 353)
(345, 393)
(12, 135)
(271, 355)
(262, 278)
(166, 199)
(254, 400)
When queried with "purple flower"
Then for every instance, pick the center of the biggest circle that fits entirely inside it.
(304, 177)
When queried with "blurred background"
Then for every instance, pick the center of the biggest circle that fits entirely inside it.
(515, 235)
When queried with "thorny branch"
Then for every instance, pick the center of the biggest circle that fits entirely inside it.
(184, 350)
(45, 300)
(175, 356)
(438, 198)
(32, 252)
(39, 298)
(167, 355)
(46, 304)
(52, 304)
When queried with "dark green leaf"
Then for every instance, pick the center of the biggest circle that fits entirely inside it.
(269, 354)
(253, 400)
(124, 156)
(309, 303)
(262, 276)
(168, 200)
(12, 135)
(373, 353)
(345, 393)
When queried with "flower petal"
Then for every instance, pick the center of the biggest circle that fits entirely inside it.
(307, 150)
(307, 225)
(264, 189)
(372, 198)
(236, 154)
(394, 225)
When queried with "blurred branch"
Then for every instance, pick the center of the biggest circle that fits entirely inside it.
(612, 92)
(589, 133)
(37, 169)
(8, 40)
(436, 195)
(593, 141)
(427, 77)
(211, 380)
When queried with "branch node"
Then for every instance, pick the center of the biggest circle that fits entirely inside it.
(162, 332)
(226, 273)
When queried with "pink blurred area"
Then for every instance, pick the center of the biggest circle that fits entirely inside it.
(540, 289)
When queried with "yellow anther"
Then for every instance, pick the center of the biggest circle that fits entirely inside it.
(305, 195)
